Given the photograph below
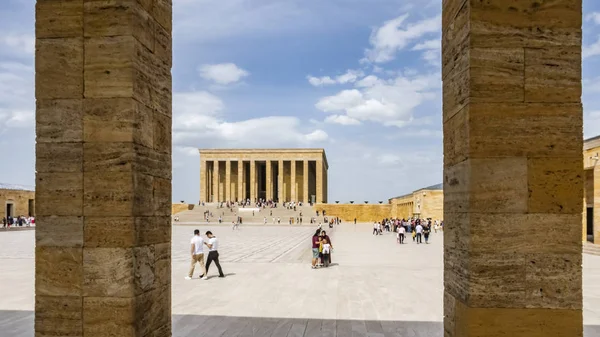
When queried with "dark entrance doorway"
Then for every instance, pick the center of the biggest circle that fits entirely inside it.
(590, 224)
(10, 208)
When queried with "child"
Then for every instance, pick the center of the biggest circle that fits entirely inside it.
(326, 251)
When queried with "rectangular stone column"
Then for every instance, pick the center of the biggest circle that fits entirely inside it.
(215, 189)
(293, 180)
(240, 186)
(252, 181)
(512, 155)
(228, 180)
(203, 182)
(103, 168)
(305, 183)
(596, 203)
(280, 189)
(319, 190)
(269, 182)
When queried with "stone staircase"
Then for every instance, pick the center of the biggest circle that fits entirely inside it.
(250, 215)
(590, 248)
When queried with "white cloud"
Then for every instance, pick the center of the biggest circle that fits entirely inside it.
(591, 50)
(395, 35)
(349, 77)
(368, 81)
(387, 102)
(223, 73)
(199, 121)
(594, 16)
(17, 43)
(429, 44)
(342, 119)
(17, 101)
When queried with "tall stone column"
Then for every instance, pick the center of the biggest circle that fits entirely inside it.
(305, 174)
(252, 181)
(103, 162)
(215, 189)
(269, 182)
(280, 189)
(319, 189)
(240, 186)
(293, 180)
(596, 203)
(512, 155)
(203, 181)
(228, 180)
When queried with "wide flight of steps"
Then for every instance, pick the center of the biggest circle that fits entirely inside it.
(197, 214)
(592, 249)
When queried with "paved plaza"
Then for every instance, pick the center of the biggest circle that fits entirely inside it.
(374, 288)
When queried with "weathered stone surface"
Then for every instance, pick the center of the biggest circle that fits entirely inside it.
(162, 196)
(58, 120)
(126, 157)
(109, 316)
(59, 194)
(58, 18)
(71, 155)
(162, 264)
(108, 272)
(553, 74)
(163, 13)
(110, 232)
(59, 61)
(555, 185)
(162, 133)
(546, 288)
(58, 316)
(108, 193)
(117, 120)
(60, 270)
(119, 18)
(59, 231)
(491, 322)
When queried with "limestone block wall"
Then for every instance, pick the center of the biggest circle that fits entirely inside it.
(176, 208)
(432, 204)
(19, 199)
(362, 212)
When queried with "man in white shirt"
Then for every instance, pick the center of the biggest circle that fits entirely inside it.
(419, 230)
(401, 232)
(197, 251)
(213, 254)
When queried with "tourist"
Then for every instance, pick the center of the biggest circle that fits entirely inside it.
(278, 220)
(236, 225)
(4, 222)
(419, 231)
(426, 232)
(265, 221)
(326, 252)
(213, 253)
(401, 232)
(325, 236)
(375, 224)
(316, 242)
(197, 253)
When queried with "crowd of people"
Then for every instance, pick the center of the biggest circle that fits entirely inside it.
(19, 221)
(419, 228)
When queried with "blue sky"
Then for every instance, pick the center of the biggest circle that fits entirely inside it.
(360, 78)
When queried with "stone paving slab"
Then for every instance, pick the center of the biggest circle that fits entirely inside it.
(375, 287)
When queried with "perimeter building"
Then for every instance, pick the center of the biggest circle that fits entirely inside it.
(282, 175)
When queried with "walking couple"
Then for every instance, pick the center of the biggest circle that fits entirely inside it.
(197, 251)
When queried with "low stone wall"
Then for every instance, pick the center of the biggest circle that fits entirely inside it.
(362, 212)
(176, 208)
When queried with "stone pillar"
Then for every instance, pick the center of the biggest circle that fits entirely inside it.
(512, 155)
(103, 168)
(269, 182)
(305, 194)
(293, 180)
(280, 190)
(319, 189)
(252, 181)
(228, 180)
(215, 189)
(203, 182)
(240, 186)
